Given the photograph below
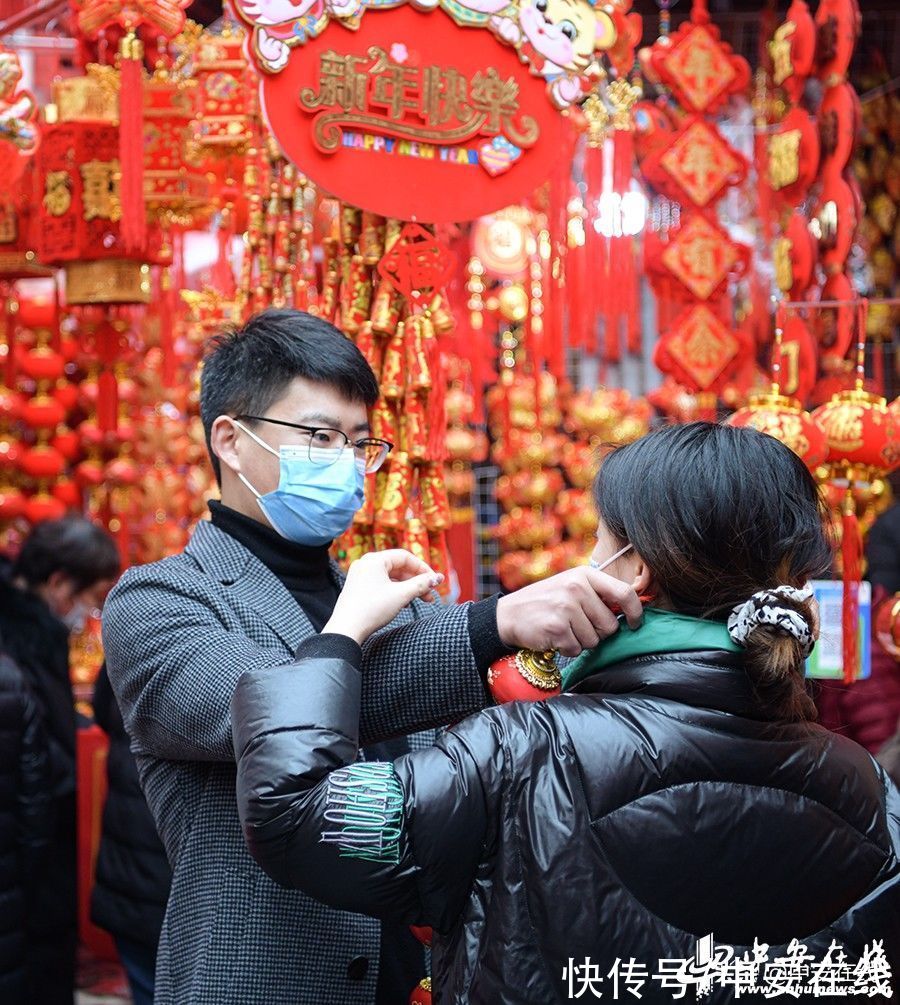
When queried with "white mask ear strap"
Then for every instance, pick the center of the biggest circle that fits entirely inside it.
(240, 475)
(255, 438)
(600, 566)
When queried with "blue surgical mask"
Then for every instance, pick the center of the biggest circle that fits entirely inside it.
(314, 503)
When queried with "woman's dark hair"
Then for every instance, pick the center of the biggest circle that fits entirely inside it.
(719, 513)
(246, 370)
(73, 546)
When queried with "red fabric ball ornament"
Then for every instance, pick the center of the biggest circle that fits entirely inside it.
(835, 221)
(795, 254)
(838, 24)
(797, 359)
(887, 625)
(524, 676)
(42, 462)
(37, 311)
(10, 454)
(839, 123)
(12, 502)
(90, 433)
(43, 507)
(792, 157)
(10, 404)
(43, 412)
(793, 50)
(66, 395)
(42, 364)
(834, 325)
(68, 493)
(68, 443)
(422, 994)
(89, 474)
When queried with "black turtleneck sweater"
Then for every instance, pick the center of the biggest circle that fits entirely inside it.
(304, 571)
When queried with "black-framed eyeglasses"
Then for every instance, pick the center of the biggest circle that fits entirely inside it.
(325, 445)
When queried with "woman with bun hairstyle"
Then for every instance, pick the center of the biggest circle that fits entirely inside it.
(679, 787)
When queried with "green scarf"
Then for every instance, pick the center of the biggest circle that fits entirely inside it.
(661, 632)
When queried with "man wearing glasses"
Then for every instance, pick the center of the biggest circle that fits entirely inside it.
(284, 406)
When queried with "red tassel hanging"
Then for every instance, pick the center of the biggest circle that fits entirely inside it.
(436, 412)
(851, 553)
(107, 401)
(222, 272)
(596, 292)
(578, 309)
(621, 267)
(9, 365)
(133, 227)
(166, 327)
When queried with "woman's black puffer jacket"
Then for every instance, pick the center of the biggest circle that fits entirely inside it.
(25, 821)
(655, 805)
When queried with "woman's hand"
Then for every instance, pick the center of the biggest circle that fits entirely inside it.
(378, 586)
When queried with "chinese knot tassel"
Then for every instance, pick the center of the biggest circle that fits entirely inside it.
(107, 401)
(166, 327)
(621, 267)
(851, 552)
(131, 143)
(595, 292)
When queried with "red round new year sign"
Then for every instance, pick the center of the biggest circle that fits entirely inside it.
(413, 116)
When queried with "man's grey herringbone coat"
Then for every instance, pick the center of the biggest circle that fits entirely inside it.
(178, 634)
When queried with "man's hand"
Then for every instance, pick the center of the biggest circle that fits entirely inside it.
(378, 586)
(568, 612)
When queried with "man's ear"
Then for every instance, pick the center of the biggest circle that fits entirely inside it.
(223, 442)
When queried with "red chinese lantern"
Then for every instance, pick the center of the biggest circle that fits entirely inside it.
(861, 434)
(785, 419)
(42, 507)
(80, 215)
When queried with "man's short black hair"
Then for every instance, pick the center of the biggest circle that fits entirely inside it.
(73, 546)
(246, 370)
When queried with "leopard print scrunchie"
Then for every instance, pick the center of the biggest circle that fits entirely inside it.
(767, 608)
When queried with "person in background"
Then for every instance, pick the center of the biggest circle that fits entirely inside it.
(132, 876)
(680, 787)
(867, 711)
(61, 575)
(25, 823)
